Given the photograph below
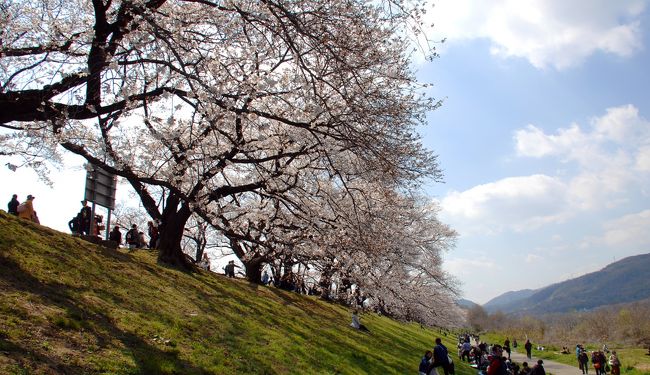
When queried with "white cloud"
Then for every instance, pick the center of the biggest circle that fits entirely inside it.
(517, 203)
(605, 165)
(533, 258)
(629, 231)
(612, 155)
(555, 33)
(464, 268)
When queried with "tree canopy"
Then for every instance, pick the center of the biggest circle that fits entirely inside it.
(287, 126)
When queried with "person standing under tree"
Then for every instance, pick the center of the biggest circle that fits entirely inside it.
(12, 206)
(153, 235)
(230, 268)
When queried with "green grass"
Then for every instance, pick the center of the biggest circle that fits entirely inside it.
(68, 306)
(634, 360)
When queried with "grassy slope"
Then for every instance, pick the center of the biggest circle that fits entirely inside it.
(68, 306)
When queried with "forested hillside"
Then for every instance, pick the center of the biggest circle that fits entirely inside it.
(624, 281)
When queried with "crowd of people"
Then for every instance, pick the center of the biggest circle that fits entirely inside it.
(491, 359)
(602, 361)
(495, 359)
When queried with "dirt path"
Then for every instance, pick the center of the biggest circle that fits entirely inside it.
(554, 368)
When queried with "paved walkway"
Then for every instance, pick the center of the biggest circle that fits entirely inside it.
(554, 368)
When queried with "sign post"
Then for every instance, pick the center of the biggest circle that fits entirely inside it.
(100, 189)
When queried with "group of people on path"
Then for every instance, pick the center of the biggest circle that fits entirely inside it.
(24, 210)
(602, 365)
(495, 359)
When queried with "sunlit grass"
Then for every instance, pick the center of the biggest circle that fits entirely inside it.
(68, 306)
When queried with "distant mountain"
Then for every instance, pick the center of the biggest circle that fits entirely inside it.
(465, 303)
(624, 281)
(507, 299)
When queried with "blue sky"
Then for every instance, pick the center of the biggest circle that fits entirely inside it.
(544, 138)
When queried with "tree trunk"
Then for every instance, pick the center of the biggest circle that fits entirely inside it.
(171, 234)
(254, 270)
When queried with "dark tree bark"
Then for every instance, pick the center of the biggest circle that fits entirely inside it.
(254, 269)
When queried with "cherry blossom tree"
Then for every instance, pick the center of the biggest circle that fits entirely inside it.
(240, 112)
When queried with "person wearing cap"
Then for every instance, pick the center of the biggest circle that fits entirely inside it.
(12, 206)
(538, 369)
(28, 211)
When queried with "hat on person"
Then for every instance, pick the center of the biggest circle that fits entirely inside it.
(30, 197)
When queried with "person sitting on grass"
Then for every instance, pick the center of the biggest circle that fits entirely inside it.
(425, 362)
(356, 323)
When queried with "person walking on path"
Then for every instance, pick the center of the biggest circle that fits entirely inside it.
(615, 363)
(583, 360)
(12, 206)
(529, 347)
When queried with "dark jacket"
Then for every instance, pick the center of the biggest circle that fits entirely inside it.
(12, 206)
(133, 237)
(538, 370)
(440, 355)
(424, 365)
(116, 236)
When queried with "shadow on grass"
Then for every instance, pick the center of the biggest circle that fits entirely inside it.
(148, 358)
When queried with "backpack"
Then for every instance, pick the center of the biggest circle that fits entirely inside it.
(22, 207)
